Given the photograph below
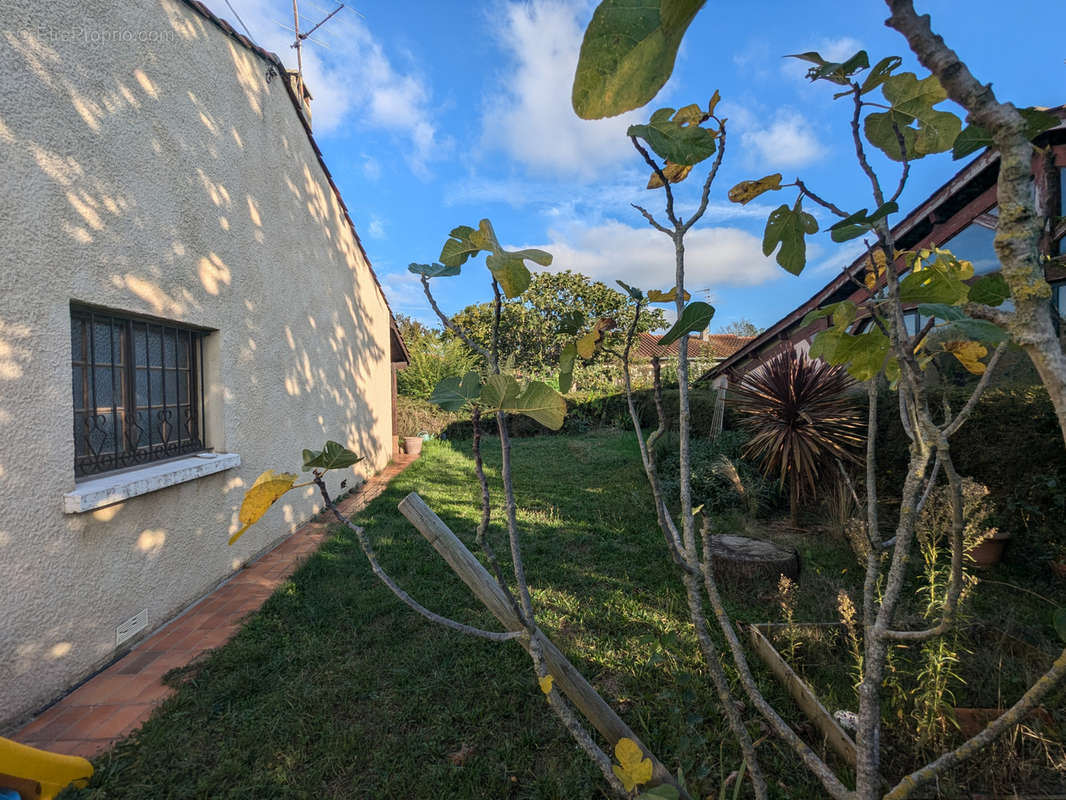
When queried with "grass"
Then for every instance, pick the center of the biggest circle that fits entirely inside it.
(336, 690)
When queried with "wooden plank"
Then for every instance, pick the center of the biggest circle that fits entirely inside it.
(567, 678)
(804, 697)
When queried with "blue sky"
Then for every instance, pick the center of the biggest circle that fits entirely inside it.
(432, 115)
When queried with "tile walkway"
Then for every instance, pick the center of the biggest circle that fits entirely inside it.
(114, 702)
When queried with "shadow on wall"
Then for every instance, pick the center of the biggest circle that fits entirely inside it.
(204, 203)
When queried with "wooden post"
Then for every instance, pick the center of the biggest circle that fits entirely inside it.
(804, 697)
(567, 679)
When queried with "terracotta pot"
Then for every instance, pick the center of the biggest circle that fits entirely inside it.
(974, 720)
(990, 550)
(412, 445)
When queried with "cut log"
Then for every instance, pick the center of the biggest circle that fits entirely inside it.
(739, 558)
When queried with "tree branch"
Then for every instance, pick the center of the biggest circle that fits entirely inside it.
(451, 325)
(819, 200)
(662, 176)
(1026, 703)
(383, 576)
(706, 194)
(651, 220)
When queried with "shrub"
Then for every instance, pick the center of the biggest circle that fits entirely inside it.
(803, 419)
(432, 360)
(740, 486)
(414, 417)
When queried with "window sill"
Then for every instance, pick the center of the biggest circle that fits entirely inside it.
(108, 489)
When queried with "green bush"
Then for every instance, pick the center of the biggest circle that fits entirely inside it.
(1013, 445)
(432, 360)
(415, 416)
(721, 480)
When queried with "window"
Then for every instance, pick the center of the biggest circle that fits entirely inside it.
(138, 390)
(975, 243)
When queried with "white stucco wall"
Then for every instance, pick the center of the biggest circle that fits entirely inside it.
(159, 173)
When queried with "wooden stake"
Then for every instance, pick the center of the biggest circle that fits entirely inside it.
(567, 679)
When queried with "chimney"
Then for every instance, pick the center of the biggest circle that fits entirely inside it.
(299, 86)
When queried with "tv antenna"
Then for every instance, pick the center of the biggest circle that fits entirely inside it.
(301, 37)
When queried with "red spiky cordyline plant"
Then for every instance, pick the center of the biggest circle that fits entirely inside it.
(803, 418)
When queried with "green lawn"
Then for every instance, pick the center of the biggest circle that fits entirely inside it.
(335, 689)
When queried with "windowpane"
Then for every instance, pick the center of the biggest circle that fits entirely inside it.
(134, 394)
(974, 243)
(140, 380)
(101, 353)
(170, 356)
(155, 386)
(155, 346)
(102, 382)
(170, 387)
(77, 340)
(140, 345)
(78, 379)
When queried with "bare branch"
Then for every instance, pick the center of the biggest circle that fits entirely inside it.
(648, 216)
(410, 602)
(971, 403)
(811, 760)
(819, 200)
(451, 325)
(860, 151)
(706, 194)
(486, 514)
(662, 176)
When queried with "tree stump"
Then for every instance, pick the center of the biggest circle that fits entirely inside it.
(740, 559)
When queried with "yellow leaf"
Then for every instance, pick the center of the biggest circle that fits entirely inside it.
(746, 191)
(968, 354)
(267, 488)
(714, 102)
(675, 173)
(546, 683)
(691, 114)
(632, 768)
(655, 296)
(875, 268)
(588, 344)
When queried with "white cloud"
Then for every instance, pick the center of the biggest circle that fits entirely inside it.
(529, 117)
(353, 79)
(787, 141)
(371, 167)
(714, 256)
(376, 228)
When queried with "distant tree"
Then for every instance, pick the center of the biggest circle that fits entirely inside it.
(530, 329)
(433, 358)
(411, 329)
(741, 327)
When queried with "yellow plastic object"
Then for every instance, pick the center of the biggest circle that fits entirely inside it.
(46, 774)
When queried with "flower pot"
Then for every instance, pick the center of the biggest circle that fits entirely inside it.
(412, 445)
(990, 550)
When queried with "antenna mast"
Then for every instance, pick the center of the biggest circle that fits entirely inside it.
(298, 43)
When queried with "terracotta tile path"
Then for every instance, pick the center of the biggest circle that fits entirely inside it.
(114, 702)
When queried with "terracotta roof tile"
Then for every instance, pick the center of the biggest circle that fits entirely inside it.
(712, 345)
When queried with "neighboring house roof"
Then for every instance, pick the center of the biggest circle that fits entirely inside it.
(712, 345)
(943, 205)
(273, 59)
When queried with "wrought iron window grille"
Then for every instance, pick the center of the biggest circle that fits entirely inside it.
(138, 390)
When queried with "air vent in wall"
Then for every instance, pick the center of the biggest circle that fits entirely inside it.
(131, 627)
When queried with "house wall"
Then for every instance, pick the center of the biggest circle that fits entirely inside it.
(149, 167)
